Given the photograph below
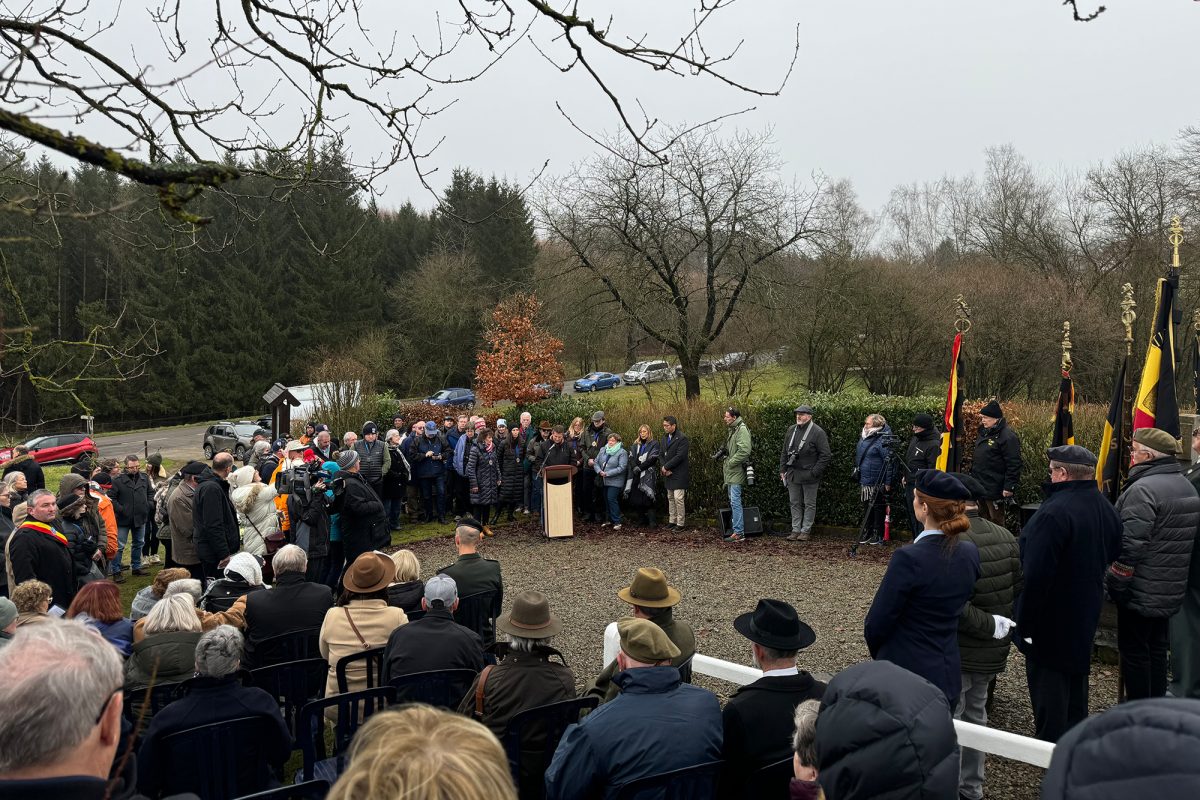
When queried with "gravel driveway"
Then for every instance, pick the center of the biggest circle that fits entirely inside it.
(831, 591)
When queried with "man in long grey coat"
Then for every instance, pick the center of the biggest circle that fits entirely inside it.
(802, 461)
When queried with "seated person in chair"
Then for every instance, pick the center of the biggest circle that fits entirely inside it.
(525, 678)
(656, 724)
(60, 702)
(654, 599)
(435, 641)
(472, 573)
(215, 695)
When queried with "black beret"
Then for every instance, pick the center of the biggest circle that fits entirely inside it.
(468, 522)
(974, 487)
(1072, 454)
(943, 486)
(194, 468)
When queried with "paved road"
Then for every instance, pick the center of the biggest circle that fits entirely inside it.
(178, 444)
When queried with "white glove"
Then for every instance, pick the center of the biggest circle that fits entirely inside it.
(1003, 626)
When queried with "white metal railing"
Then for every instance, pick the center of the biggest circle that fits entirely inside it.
(977, 737)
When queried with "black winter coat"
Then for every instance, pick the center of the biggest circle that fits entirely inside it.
(998, 586)
(675, 461)
(83, 543)
(811, 459)
(363, 521)
(923, 451)
(33, 555)
(292, 604)
(210, 700)
(885, 733)
(131, 498)
(1065, 548)
(215, 530)
(1160, 513)
(483, 472)
(512, 477)
(309, 515)
(224, 592)
(406, 596)
(30, 468)
(997, 460)
(396, 477)
(1146, 748)
(433, 642)
(758, 724)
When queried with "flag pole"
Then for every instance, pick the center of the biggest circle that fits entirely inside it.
(1196, 362)
(1066, 350)
(1128, 317)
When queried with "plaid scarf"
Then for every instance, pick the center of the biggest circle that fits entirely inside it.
(43, 528)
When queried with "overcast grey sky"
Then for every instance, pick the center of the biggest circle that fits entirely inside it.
(884, 92)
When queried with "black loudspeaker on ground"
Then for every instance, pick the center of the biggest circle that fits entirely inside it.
(751, 516)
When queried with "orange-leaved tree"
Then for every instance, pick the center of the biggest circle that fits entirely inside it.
(519, 355)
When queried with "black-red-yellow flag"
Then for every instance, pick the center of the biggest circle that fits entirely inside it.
(1111, 454)
(1155, 404)
(1064, 412)
(948, 459)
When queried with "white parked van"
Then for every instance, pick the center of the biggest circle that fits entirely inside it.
(647, 372)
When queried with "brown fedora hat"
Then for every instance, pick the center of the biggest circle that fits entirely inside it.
(370, 572)
(530, 617)
(650, 590)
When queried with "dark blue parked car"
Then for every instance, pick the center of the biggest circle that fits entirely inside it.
(452, 397)
(597, 380)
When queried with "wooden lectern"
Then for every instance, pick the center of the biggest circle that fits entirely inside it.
(558, 512)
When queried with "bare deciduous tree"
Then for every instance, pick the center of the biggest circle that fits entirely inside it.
(678, 245)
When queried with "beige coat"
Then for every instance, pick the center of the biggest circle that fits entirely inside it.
(375, 620)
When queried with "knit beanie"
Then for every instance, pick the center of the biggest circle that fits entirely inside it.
(993, 410)
(347, 459)
(8, 612)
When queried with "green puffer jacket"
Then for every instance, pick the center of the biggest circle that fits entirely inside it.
(996, 590)
(738, 445)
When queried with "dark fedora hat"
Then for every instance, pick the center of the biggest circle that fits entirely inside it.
(530, 617)
(775, 624)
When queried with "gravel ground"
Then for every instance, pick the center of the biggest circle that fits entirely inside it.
(831, 591)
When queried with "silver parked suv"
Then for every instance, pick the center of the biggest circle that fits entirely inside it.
(648, 372)
(232, 436)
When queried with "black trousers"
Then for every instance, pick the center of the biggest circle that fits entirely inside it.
(1142, 643)
(1060, 701)
(317, 569)
(585, 491)
(209, 572)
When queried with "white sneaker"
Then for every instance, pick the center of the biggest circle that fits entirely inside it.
(524, 510)
(153, 560)
(605, 524)
(617, 527)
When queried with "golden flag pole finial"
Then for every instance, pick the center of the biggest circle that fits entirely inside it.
(1066, 349)
(962, 315)
(1128, 315)
(1176, 239)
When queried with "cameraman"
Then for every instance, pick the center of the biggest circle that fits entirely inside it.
(876, 471)
(804, 458)
(736, 453)
(308, 510)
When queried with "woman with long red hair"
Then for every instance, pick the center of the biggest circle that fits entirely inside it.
(913, 621)
(98, 604)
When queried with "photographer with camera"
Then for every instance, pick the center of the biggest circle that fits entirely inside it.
(804, 457)
(736, 454)
(308, 509)
(875, 470)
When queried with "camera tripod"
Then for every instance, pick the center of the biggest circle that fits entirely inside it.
(894, 465)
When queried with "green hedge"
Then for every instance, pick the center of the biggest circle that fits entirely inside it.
(840, 415)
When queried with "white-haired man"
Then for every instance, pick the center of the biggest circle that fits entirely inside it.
(293, 604)
(60, 702)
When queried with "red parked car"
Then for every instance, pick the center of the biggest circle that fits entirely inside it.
(59, 447)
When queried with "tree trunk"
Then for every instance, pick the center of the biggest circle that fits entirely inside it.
(691, 384)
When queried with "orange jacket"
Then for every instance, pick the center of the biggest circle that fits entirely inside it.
(110, 524)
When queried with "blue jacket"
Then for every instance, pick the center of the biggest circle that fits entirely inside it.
(657, 724)
(1065, 548)
(210, 700)
(871, 458)
(615, 466)
(424, 467)
(913, 621)
(460, 454)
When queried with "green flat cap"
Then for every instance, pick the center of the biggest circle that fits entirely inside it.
(1157, 439)
(644, 641)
